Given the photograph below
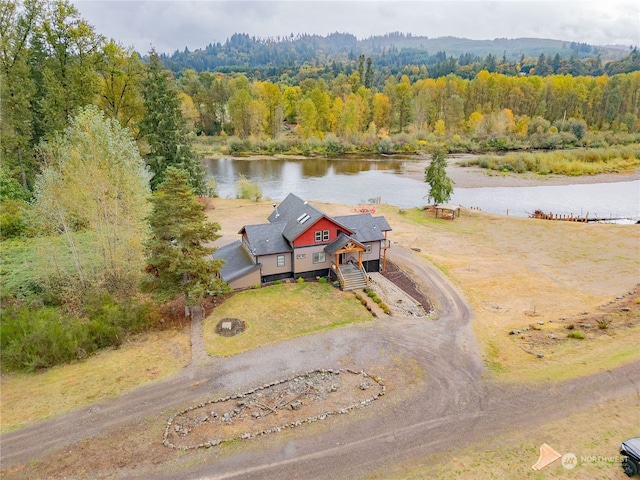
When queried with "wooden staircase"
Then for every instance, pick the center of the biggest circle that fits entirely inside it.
(351, 278)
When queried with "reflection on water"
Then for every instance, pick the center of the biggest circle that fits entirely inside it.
(358, 181)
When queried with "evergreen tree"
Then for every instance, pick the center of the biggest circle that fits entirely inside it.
(436, 176)
(368, 76)
(178, 262)
(165, 130)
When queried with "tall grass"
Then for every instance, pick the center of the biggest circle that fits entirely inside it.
(564, 162)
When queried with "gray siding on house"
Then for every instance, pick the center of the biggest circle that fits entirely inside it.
(248, 280)
(270, 264)
(303, 259)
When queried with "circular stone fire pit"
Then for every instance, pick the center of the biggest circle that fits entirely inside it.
(228, 327)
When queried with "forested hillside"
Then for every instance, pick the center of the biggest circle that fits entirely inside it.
(393, 53)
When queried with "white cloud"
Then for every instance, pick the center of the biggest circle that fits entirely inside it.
(176, 24)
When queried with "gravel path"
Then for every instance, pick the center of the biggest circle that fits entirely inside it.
(199, 355)
(448, 404)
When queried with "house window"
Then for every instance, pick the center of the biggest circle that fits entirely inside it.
(319, 257)
(281, 260)
(322, 235)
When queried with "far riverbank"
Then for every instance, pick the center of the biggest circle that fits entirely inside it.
(467, 177)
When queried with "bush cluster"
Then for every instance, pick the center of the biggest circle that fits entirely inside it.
(565, 162)
(373, 296)
(33, 339)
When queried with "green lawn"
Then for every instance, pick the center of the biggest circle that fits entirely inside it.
(278, 312)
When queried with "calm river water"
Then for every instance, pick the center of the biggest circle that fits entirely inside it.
(357, 181)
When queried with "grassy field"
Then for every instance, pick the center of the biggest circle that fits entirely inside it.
(28, 398)
(279, 312)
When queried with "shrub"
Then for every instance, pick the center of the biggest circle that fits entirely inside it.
(246, 189)
(300, 280)
(323, 280)
(36, 338)
(211, 188)
(386, 146)
(576, 334)
(237, 145)
(13, 218)
(604, 323)
(332, 146)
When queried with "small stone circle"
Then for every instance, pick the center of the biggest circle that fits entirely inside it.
(228, 327)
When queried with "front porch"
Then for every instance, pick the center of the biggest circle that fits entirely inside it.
(347, 264)
(350, 277)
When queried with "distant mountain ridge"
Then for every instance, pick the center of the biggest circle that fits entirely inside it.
(513, 48)
(394, 50)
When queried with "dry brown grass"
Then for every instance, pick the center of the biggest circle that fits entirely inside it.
(518, 270)
(28, 398)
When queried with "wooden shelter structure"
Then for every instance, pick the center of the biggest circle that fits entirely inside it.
(447, 210)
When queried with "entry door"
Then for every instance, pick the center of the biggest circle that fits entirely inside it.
(342, 258)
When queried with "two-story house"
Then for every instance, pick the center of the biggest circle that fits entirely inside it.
(302, 241)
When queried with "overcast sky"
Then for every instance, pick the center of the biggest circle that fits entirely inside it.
(169, 25)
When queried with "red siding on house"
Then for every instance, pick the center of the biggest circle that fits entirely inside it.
(308, 237)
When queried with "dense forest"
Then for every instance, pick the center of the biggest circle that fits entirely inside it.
(95, 136)
(396, 53)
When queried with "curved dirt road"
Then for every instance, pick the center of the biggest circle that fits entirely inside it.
(447, 405)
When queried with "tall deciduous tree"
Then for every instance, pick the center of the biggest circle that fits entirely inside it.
(68, 78)
(165, 130)
(18, 21)
(94, 179)
(178, 262)
(121, 77)
(436, 176)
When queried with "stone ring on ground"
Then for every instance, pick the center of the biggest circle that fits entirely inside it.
(271, 408)
(228, 327)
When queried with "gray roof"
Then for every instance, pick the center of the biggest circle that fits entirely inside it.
(298, 216)
(237, 261)
(340, 241)
(267, 239)
(365, 227)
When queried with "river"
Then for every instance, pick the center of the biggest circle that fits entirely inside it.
(360, 181)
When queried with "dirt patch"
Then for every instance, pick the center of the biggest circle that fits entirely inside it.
(229, 327)
(404, 282)
(607, 321)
